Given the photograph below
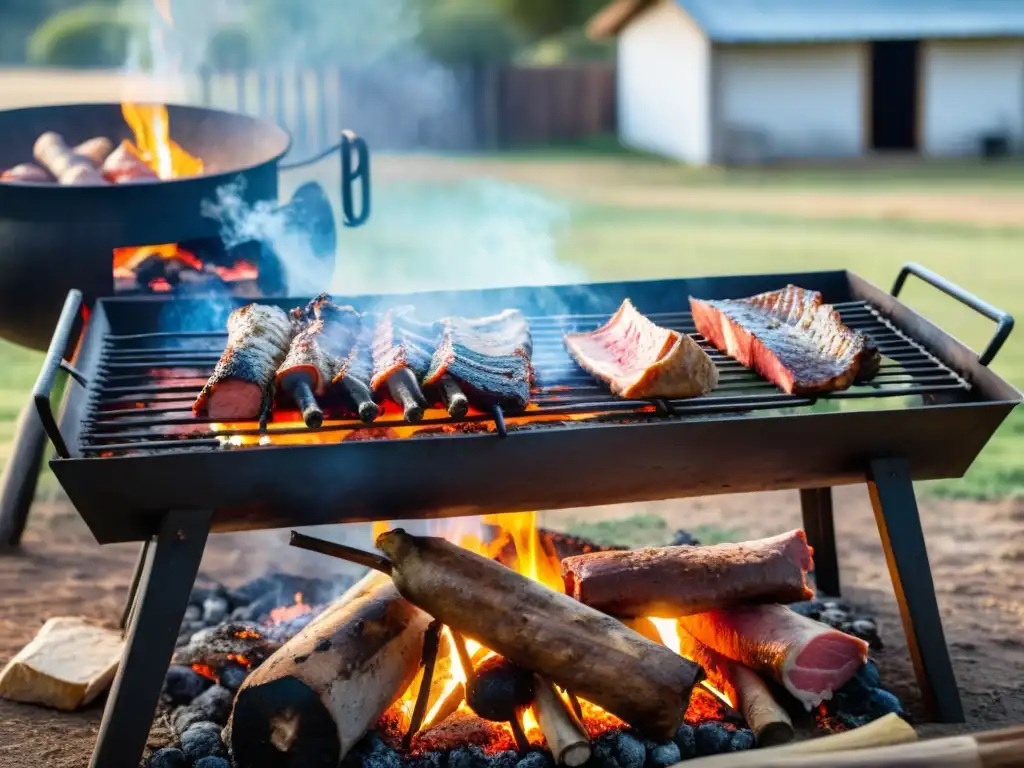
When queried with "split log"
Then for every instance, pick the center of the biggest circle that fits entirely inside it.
(310, 702)
(746, 690)
(66, 665)
(565, 735)
(585, 651)
(683, 580)
(67, 167)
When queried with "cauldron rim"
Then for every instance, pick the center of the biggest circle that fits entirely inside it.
(283, 140)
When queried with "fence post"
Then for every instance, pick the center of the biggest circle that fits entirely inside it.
(205, 89)
(240, 95)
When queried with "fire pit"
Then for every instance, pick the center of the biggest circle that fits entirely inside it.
(126, 440)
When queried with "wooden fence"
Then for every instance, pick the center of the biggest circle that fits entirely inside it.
(471, 109)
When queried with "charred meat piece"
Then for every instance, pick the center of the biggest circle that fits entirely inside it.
(810, 659)
(401, 355)
(317, 353)
(487, 357)
(638, 359)
(789, 336)
(239, 389)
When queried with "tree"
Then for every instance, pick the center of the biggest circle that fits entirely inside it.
(540, 18)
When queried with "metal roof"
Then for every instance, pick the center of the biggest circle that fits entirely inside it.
(765, 21)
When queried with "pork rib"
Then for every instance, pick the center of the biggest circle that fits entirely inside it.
(638, 359)
(810, 659)
(489, 357)
(319, 350)
(240, 388)
(676, 581)
(789, 336)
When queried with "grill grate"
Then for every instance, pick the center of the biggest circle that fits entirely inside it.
(144, 385)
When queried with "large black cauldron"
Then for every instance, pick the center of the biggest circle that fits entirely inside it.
(55, 238)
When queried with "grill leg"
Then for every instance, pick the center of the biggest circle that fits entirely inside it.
(816, 507)
(165, 582)
(133, 588)
(20, 476)
(899, 525)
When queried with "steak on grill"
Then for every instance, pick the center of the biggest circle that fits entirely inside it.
(790, 337)
(488, 357)
(240, 388)
(638, 359)
(810, 659)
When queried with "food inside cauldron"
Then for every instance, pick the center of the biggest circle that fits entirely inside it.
(323, 349)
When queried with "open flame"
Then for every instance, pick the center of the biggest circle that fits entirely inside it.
(668, 629)
(289, 612)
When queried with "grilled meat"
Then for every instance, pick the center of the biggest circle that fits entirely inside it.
(317, 353)
(638, 359)
(354, 372)
(240, 388)
(791, 337)
(401, 355)
(487, 357)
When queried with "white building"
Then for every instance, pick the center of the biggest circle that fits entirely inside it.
(726, 81)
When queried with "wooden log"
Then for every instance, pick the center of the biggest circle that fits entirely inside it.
(886, 731)
(27, 173)
(679, 581)
(575, 646)
(746, 690)
(125, 166)
(310, 702)
(66, 665)
(565, 735)
(68, 168)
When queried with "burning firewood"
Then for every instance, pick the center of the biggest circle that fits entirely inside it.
(97, 149)
(310, 702)
(564, 733)
(27, 173)
(234, 642)
(125, 165)
(770, 723)
(67, 166)
(575, 646)
(678, 581)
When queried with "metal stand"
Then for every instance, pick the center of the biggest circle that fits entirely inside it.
(169, 570)
(899, 525)
(133, 588)
(816, 507)
(21, 476)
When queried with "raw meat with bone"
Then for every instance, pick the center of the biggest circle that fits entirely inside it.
(638, 359)
(810, 659)
(489, 357)
(791, 337)
(240, 388)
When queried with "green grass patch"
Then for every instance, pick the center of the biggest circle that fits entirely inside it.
(644, 531)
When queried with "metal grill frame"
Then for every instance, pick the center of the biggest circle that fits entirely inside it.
(122, 498)
(171, 501)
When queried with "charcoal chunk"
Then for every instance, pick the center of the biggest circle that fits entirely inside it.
(684, 538)
(866, 630)
(629, 751)
(534, 759)
(741, 739)
(233, 675)
(377, 753)
(834, 617)
(868, 675)
(215, 703)
(499, 688)
(192, 613)
(686, 740)
(712, 739)
(467, 757)
(663, 755)
(213, 762)
(183, 684)
(184, 718)
(506, 759)
(168, 758)
(202, 740)
(425, 760)
(881, 702)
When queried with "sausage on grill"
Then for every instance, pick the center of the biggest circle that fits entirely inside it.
(240, 387)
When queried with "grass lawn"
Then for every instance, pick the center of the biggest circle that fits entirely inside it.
(555, 216)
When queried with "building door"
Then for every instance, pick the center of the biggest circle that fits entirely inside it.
(894, 90)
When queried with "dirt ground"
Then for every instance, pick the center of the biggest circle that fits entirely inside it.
(976, 551)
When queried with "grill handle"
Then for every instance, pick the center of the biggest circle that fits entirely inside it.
(54, 362)
(355, 167)
(1003, 320)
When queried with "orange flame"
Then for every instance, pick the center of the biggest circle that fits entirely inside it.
(668, 630)
(287, 613)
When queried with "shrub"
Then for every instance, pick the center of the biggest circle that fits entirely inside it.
(91, 35)
(568, 47)
(459, 32)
